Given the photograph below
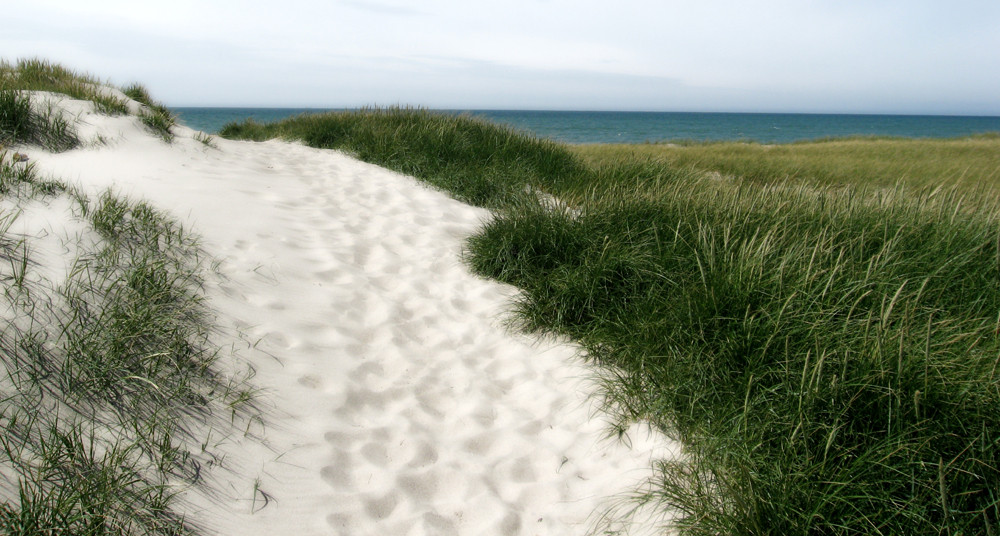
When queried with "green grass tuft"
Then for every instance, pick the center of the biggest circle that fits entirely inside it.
(156, 116)
(206, 139)
(158, 124)
(16, 116)
(21, 123)
(17, 176)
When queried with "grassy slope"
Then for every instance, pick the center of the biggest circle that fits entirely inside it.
(41, 75)
(969, 162)
(108, 393)
(828, 355)
(831, 362)
(51, 130)
(476, 161)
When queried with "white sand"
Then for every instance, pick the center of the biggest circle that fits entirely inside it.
(400, 403)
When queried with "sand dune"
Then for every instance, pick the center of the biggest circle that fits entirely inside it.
(398, 402)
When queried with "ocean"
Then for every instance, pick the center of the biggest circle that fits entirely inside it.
(641, 127)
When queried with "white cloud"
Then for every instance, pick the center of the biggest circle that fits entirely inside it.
(714, 54)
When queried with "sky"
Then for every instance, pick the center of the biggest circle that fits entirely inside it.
(811, 56)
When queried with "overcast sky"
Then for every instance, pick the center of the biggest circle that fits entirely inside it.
(846, 56)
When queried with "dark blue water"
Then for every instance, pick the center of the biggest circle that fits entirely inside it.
(639, 127)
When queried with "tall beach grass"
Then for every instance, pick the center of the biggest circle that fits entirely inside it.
(20, 122)
(828, 360)
(825, 348)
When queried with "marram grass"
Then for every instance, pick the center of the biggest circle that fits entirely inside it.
(157, 117)
(109, 385)
(829, 362)
(828, 355)
(19, 119)
(41, 75)
(21, 123)
(109, 392)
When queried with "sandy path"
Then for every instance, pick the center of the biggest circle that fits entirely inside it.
(400, 406)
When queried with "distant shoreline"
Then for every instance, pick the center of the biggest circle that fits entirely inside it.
(649, 127)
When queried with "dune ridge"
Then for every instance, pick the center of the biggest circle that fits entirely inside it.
(398, 402)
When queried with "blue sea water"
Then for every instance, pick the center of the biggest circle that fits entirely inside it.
(639, 127)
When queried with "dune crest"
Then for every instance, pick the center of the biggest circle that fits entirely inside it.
(399, 403)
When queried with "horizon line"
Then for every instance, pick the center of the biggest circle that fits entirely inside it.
(580, 110)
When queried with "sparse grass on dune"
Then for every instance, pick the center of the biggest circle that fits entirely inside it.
(41, 75)
(20, 120)
(157, 117)
(969, 162)
(109, 386)
(827, 354)
(109, 393)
